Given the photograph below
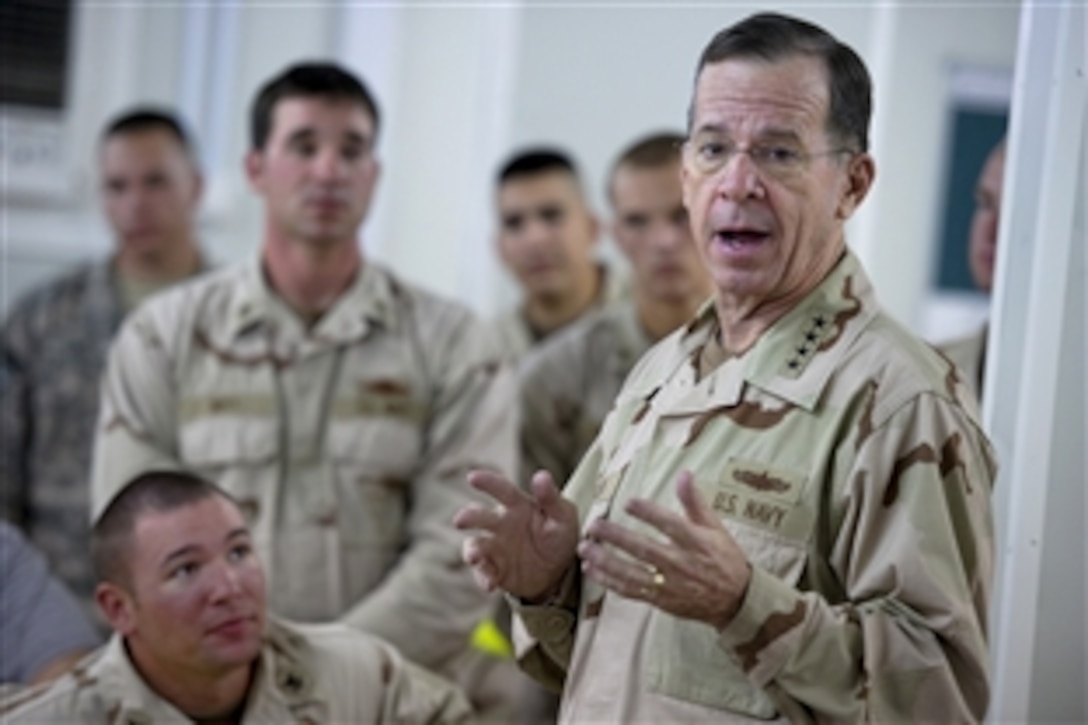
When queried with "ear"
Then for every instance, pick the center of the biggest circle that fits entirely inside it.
(685, 186)
(622, 240)
(860, 173)
(198, 187)
(254, 166)
(594, 225)
(117, 606)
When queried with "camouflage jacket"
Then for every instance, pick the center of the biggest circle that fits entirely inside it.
(307, 674)
(568, 384)
(346, 444)
(516, 335)
(54, 345)
(847, 460)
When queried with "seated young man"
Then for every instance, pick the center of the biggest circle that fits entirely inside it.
(184, 592)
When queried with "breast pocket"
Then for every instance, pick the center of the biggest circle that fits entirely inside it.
(765, 511)
(223, 430)
(374, 444)
(232, 439)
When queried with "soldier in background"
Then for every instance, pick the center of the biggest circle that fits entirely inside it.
(969, 352)
(568, 383)
(340, 405)
(547, 238)
(55, 339)
(787, 513)
(184, 592)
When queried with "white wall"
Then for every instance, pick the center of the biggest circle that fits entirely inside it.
(462, 85)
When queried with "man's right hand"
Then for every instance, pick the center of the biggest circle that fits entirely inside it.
(526, 542)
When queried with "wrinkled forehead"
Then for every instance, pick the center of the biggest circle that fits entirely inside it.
(785, 93)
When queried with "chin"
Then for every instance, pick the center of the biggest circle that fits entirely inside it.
(237, 654)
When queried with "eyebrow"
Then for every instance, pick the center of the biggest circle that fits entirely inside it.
(308, 132)
(189, 549)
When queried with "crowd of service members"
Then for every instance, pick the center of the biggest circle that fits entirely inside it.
(727, 486)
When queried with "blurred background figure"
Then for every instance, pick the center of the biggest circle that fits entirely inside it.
(969, 351)
(43, 631)
(547, 238)
(55, 339)
(569, 382)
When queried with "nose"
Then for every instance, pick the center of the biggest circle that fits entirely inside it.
(669, 235)
(227, 582)
(329, 166)
(739, 178)
(537, 233)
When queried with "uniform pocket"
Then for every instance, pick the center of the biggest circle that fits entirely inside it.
(225, 429)
(765, 512)
(377, 427)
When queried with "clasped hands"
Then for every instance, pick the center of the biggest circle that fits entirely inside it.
(527, 541)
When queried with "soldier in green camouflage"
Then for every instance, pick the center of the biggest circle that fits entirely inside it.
(787, 514)
(55, 338)
(185, 594)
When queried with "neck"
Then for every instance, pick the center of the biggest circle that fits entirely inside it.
(200, 695)
(660, 317)
(743, 320)
(742, 327)
(310, 278)
(169, 264)
(547, 313)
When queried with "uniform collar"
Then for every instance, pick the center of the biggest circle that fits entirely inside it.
(130, 701)
(368, 302)
(284, 683)
(796, 357)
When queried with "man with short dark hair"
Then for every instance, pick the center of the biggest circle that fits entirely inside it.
(547, 238)
(338, 404)
(184, 592)
(55, 339)
(786, 515)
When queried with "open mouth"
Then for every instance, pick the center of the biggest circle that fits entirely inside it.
(740, 238)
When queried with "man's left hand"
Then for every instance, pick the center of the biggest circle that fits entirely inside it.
(699, 572)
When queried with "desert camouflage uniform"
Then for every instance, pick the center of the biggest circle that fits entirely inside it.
(307, 674)
(969, 354)
(569, 384)
(847, 460)
(516, 336)
(54, 346)
(346, 445)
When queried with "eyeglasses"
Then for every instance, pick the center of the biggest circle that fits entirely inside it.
(778, 160)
